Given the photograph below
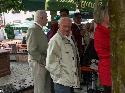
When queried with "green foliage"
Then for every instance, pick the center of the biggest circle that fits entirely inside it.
(83, 5)
(6, 5)
(10, 31)
(57, 5)
(57, 17)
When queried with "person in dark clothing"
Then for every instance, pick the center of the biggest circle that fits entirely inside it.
(77, 29)
(90, 52)
(64, 12)
(24, 40)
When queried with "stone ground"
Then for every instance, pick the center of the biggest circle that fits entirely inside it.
(21, 79)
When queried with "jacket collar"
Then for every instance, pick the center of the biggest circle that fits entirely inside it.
(38, 25)
(63, 37)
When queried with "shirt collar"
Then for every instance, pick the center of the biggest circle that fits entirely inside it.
(38, 25)
(62, 36)
(68, 37)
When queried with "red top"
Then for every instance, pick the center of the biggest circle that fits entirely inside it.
(53, 30)
(102, 47)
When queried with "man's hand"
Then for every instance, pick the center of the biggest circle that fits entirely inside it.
(42, 65)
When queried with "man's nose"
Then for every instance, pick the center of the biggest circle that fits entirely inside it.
(66, 29)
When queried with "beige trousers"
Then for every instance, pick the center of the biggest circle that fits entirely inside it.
(41, 77)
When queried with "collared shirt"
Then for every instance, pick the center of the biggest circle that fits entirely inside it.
(38, 25)
(70, 39)
(67, 37)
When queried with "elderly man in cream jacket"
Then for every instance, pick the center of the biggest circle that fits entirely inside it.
(62, 59)
(37, 49)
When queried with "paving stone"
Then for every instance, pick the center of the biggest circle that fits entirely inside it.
(20, 77)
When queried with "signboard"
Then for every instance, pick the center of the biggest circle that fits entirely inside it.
(88, 5)
(56, 5)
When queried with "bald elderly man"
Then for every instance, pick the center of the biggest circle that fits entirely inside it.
(37, 49)
(62, 59)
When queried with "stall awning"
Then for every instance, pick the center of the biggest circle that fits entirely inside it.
(56, 5)
(86, 5)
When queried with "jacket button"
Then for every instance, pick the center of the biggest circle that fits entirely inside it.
(75, 73)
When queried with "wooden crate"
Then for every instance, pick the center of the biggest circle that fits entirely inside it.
(4, 63)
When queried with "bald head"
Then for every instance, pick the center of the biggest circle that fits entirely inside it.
(65, 19)
(65, 26)
(41, 17)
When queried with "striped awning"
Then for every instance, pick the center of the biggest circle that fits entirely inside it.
(86, 5)
(56, 5)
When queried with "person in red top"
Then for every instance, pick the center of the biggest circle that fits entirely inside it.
(102, 47)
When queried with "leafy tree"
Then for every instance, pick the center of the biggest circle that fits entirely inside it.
(56, 5)
(6, 5)
(10, 31)
(83, 5)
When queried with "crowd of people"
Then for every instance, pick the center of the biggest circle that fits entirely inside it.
(55, 59)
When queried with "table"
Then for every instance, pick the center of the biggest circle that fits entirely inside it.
(4, 63)
(91, 77)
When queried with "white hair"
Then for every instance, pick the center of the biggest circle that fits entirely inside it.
(64, 18)
(38, 14)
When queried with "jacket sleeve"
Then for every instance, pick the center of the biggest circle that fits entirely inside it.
(53, 58)
(32, 45)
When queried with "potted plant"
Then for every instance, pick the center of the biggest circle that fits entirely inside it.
(10, 31)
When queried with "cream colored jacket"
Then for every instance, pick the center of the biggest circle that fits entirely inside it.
(62, 61)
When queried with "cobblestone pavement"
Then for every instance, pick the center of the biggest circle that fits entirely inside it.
(19, 79)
